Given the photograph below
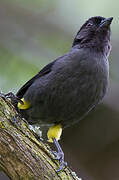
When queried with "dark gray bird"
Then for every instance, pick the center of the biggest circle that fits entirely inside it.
(65, 90)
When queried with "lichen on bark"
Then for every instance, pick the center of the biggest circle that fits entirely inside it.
(22, 156)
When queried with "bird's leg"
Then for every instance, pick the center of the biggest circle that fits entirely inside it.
(54, 134)
(14, 100)
(11, 96)
(59, 155)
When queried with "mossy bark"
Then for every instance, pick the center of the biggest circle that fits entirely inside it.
(22, 156)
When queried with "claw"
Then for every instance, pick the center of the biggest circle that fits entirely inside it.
(2, 95)
(59, 156)
(62, 166)
(13, 97)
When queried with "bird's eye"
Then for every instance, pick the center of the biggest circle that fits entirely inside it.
(89, 24)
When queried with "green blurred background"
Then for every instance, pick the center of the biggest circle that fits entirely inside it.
(35, 32)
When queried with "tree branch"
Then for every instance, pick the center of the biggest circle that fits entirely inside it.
(22, 156)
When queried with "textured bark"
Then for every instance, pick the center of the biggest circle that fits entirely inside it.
(22, 156)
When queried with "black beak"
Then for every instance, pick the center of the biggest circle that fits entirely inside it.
(105, 23)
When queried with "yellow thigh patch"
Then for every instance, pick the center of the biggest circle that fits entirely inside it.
(54, 132)
(25, 104)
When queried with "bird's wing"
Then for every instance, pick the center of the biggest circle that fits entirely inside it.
(43, 72)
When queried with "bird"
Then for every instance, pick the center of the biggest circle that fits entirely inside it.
(68, 88)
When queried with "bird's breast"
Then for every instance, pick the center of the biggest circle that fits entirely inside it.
(69, 92)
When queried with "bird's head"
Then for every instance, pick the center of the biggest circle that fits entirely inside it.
(95, 32)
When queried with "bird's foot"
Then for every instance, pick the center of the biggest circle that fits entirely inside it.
(59, 156)
(2, 95)
(12, 97)
(14, 119)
